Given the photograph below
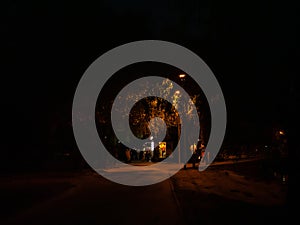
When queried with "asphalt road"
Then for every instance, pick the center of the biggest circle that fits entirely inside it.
(95, 200)
(225, 194)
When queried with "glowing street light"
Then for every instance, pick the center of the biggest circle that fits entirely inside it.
(182, 76)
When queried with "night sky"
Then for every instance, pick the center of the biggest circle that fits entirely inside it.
(252, 48)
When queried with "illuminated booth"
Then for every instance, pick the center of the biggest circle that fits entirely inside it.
(162, 150)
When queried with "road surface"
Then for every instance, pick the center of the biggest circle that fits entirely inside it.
(95, 200)
(226, 193)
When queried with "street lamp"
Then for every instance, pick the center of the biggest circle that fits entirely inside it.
(178, 138)
(182, 76)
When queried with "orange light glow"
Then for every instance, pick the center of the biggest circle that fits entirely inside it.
(181, 75)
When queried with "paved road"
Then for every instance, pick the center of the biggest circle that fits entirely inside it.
(94, 200)
(208, 197)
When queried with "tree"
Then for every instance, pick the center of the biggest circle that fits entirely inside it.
(150, 107)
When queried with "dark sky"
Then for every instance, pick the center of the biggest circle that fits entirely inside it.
(252, 47)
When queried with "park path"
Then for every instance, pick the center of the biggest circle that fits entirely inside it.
(95, 200)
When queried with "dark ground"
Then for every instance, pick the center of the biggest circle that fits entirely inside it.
(232, 194)
(222, 194)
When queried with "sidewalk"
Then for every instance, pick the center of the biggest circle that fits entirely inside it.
(221, 196)
(96, 201)
(225, 162)
(21, 192)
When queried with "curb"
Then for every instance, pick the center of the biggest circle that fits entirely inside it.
(182, 222)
